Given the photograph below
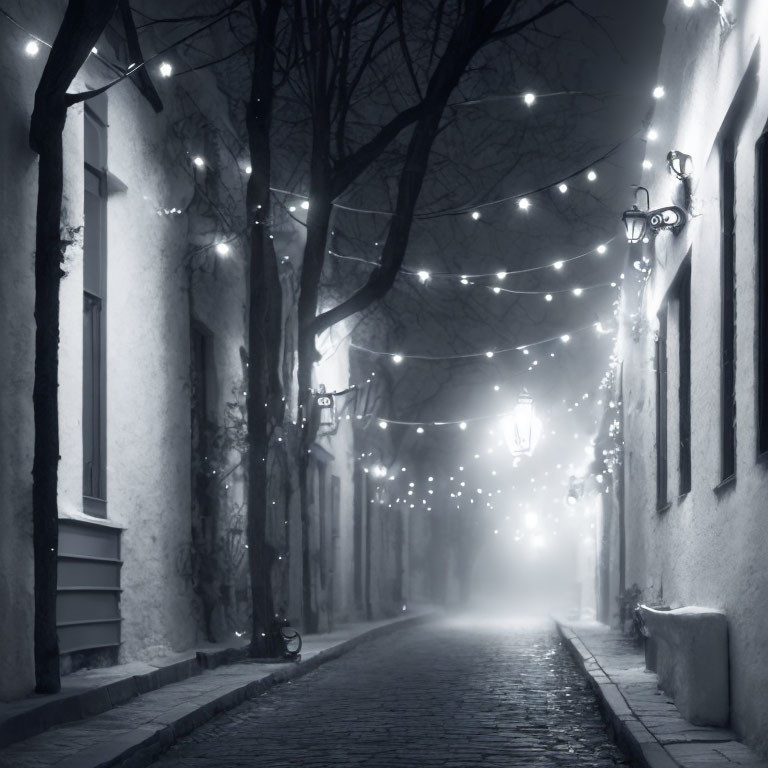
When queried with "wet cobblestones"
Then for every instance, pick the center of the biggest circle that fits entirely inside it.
(451, 693)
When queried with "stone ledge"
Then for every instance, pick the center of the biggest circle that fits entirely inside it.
(644, 722)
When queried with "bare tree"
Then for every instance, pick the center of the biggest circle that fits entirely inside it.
(326, 37)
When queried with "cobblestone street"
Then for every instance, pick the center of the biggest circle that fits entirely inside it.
(455, 692)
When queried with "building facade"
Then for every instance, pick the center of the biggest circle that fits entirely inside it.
(685, 524)
(152, 364)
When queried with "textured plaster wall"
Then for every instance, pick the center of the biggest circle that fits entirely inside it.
(709, 547)
(18, 194)
(148, 411)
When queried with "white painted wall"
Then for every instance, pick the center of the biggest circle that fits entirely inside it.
(709, 547)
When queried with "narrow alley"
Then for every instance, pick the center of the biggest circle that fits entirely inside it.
(460, 691)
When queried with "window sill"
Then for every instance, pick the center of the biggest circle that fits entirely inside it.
(94, 507)
(725, 485)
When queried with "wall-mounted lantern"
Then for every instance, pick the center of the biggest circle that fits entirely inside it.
(679, 164)
(575, 490)
(326, 410)
(641, 224)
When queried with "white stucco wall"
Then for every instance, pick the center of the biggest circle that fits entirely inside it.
(709, 547)
(18, 194)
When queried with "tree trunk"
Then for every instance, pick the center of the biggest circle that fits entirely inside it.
(83, 22)
(264, 324)
(48, 259)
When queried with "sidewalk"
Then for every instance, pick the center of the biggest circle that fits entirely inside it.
(128, 715)
(645, 722)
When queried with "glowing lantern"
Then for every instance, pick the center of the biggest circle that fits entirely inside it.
(519, 427)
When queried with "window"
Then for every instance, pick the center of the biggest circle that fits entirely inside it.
(762, 297)
(683, 297)
(661, 410)
(94, 325)
(728, 314)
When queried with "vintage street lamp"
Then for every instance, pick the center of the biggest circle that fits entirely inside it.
(638, 223)
(519, 427)
(680, 165)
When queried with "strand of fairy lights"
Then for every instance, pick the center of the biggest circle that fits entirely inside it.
(557, 265)
(398, 357)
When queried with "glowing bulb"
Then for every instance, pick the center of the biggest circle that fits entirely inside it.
(489, 354)
(524, 203)
(383, 424)
(497, 289)
(565, 338)
(591, 176)
(464, 281)
(166, 70)
(558, 265)
(658, 92)
(249, 171)
(463, 425)
(653, 134)
(222, 249)
(420, 430)
(94, 50)
(563, 188)
(578, 291)
(688, 3)
(496, 387)
(198, 161)
(601, 249)
(423, 275)
(529, 99)
(647, 164)
(292, 208)
(475, 215)
(31, 48)
(501, 275)
(397, 358)
(548, 297)
(305, 205)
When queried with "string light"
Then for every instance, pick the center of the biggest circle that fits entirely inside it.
(529, 99)
(198, 161)
(591, 176)
(423, 275)
(652, 134)
(32, 48)
(524, 203)
(659, 92)
(222, 249)
(475, 215)
(563, 188)
(165, 69)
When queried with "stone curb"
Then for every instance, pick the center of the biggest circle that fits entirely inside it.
(139, 747)
(68, 707)
(630, 733)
